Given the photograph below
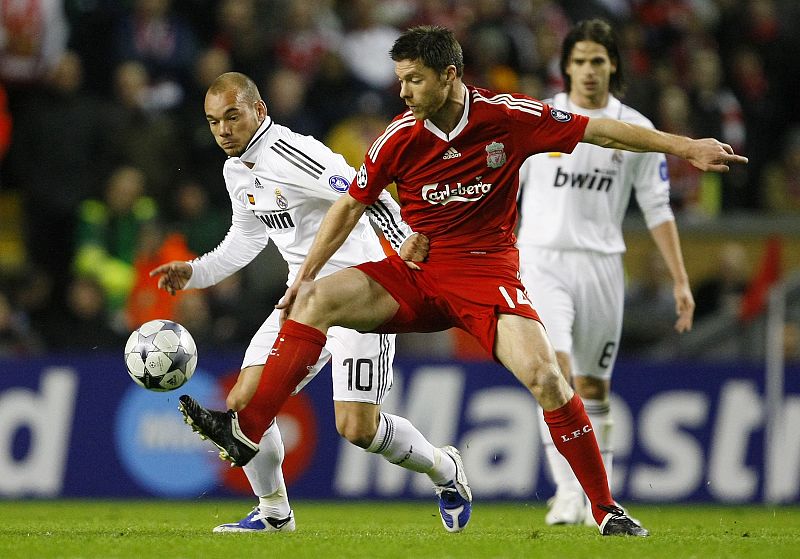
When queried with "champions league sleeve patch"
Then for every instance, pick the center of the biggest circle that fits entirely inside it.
(361, 177)
(339, 183)
(560, 116)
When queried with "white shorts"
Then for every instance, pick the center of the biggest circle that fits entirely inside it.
(361, 363)
(579, 296)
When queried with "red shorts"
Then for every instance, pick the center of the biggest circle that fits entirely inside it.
(466, 291)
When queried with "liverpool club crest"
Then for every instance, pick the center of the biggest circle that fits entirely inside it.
(495, 155)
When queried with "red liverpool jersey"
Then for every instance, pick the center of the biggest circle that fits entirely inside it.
(460, 189)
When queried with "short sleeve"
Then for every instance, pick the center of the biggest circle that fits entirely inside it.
(554, 130)
(376, 173)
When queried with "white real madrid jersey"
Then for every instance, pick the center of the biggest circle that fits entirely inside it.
(293, 182)
(577, 201)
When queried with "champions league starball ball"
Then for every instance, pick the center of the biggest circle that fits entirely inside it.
(160, 355)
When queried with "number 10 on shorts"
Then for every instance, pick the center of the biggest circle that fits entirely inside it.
(522, 299)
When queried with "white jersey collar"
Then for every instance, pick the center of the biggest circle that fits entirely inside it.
(611, 110)
(249, 153)
(459, 127)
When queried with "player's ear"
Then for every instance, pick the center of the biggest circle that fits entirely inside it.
(261, 110)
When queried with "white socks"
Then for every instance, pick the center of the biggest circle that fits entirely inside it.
(396, 439)
(266, 476)
(401, 443)
(599, 412)
(275, 505)
(564, 479)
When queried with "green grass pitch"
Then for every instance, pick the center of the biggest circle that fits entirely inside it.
(406, 530)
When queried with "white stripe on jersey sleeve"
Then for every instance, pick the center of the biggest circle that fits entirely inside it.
(404, 122)
(523, 105)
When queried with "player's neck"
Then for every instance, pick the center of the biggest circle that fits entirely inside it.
(448, 117)
(590, 102)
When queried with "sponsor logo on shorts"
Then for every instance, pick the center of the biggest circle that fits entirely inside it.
(445, 193)
(339, 184)
(560, 116)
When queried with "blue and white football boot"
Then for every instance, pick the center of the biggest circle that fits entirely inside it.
(257, 521)
(455, 498)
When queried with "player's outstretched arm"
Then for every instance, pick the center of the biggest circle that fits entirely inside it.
(172, 276)
(706, 154)
(337, 224)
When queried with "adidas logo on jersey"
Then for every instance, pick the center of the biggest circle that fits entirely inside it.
(451, 153)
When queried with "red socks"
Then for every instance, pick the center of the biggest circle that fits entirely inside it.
(574, 438)
(296, 349)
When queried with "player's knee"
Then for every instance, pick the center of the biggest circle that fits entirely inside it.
(305, 299)
(355, 430)
(544, 380)
(565, 364)
(540, 371)
(310, 304)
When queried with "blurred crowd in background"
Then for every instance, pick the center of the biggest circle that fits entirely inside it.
(108, 167)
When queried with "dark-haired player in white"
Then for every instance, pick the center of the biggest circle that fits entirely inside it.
(570, 242)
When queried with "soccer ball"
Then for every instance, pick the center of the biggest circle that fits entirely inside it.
(160, 355)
